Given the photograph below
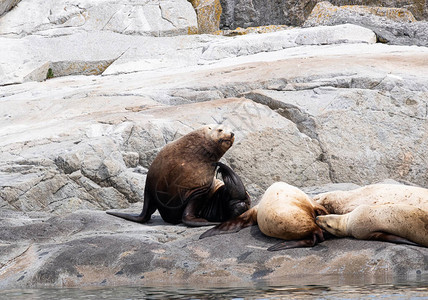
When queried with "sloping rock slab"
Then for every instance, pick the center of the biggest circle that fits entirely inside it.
(92, 248)
(152, 18)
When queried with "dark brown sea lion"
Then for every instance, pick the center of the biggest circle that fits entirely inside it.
(284, 212)
(181, 181)
(395, 223)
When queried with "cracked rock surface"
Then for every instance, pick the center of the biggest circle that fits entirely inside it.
(321, 108)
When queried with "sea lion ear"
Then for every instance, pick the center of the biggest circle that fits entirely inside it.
(320, 211)
(212, 126)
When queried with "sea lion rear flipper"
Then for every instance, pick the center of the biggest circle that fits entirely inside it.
(148, 209)
(317, 236)
(246, 219)
(131, 217)
(386, 237)
(292, 244)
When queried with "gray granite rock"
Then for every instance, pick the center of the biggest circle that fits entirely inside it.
(152, 18)
(387, 29)
(321, 114)
(246, 13)
(6, 5)
(70, 251)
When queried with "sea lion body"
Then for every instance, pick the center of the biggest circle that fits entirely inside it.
(342, 202)
(181, 181)
(287, 213)
(399, 223)
(284, 212)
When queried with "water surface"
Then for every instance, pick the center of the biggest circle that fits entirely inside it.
(416, 288)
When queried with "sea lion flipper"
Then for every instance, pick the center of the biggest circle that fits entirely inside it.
(190, 217)
(292, 244)
(129, 217)
(193, 221)
(148, 209)
(246, 219)
(317, 236)
(386, 237)
(232, 181)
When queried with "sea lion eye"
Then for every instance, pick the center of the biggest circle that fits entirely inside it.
(219, 130)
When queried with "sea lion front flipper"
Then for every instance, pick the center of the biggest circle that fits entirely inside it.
(391, 238)
(233, 194)
(232, 181)
(189, 217)
(246, 219)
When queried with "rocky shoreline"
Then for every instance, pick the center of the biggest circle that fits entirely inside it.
(323, 106)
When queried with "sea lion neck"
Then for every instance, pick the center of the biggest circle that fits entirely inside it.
(209, 153)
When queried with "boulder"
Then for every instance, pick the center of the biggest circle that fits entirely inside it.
(274, 41)
(208, 13)
(149, 18)
(324, 10)
(419, 9)
(359, 153)
(391, 25)
(247, 13)
(6, 5)
(29, 58)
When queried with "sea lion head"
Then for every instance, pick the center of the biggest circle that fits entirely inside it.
(237, 207)
(220, 135)
(334, 224)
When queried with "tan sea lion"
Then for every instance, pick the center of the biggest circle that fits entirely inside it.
(181, 181)
(396, 223)
(342, 202)
(284, 212)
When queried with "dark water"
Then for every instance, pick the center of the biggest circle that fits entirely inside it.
(413, 289)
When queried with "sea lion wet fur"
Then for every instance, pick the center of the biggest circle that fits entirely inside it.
(181, 181)
(398, 223)
(342, 202)
(284, 212)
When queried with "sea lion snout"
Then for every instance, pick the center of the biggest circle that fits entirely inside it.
(239, 208)
(322, 221)
(332, 224)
